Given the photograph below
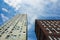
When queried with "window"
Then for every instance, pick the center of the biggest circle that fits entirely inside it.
(7, 36)
(20, 31)
(12, 29)
(19, 34)
(14, 35)
(8, 27)
(17, 28)
(2, 32)
(24, 32)
(21, 28)
(0, 35)
(0, 29)
(11, 32)
(5, 29)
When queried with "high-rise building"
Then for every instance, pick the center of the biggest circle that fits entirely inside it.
(47, 29)
(15, 28)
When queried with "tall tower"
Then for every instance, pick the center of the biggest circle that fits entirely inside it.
(14, 29)
(47, 29)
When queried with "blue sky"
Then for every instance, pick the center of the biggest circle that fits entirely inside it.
(35, 9)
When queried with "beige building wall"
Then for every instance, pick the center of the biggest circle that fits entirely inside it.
(15, 28)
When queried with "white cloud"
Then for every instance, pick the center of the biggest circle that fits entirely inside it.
(36, 9)
(14, 3)
(31, 19)
(54, 1)
(4, 17)
(4, 9)
(34, 3)
(31, 2)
